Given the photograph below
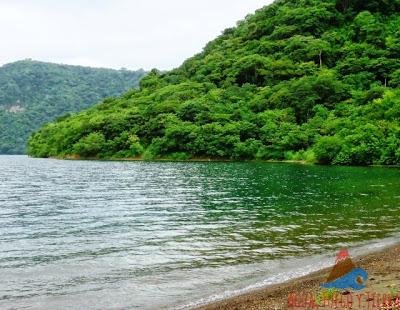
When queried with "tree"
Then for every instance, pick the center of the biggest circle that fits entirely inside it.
(299, 79)
(327, 148)
(90, 145)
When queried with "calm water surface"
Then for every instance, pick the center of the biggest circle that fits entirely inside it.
(95, 235)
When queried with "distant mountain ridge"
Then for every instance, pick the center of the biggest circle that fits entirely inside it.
(33, 93)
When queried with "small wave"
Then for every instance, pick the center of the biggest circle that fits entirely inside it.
(310, 265)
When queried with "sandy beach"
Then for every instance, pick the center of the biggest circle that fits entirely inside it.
(381, 291)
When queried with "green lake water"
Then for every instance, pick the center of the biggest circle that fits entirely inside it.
(143, 235)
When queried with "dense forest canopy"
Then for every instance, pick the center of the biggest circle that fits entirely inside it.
(299, 79)
(33, 93)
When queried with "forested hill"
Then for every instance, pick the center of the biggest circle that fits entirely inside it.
(299, 79)
(33, 93)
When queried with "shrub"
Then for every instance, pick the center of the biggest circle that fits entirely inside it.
(327, 148)
(90, 145)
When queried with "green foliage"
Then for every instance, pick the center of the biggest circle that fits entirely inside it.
(327, 148)
(179, 156)
(306, 156)
(305, 80)
(33, 93)
(90, 145)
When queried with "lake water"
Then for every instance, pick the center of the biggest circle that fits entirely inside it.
(95, 235)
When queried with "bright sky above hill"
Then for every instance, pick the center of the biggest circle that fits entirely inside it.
(115, 33)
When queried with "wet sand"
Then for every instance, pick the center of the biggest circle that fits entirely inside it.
(382, 287)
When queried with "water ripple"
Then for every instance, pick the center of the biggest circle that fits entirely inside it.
(92, 235)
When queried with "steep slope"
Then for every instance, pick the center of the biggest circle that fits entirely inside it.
(33, 93)
(299, 79)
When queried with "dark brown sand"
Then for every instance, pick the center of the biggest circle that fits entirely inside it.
(383, 285)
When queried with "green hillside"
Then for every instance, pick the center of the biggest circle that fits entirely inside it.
(33, 93)
(299, 80)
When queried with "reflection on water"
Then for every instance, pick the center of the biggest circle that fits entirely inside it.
(145, 235)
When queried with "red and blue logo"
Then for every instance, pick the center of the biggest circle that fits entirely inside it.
(345, 275)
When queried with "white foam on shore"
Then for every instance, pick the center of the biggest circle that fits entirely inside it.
(288, 272)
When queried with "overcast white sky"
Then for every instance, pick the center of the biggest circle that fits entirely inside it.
(115, 33)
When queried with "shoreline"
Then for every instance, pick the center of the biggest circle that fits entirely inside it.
(211, 160)
(382, 266)
(195, 159)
